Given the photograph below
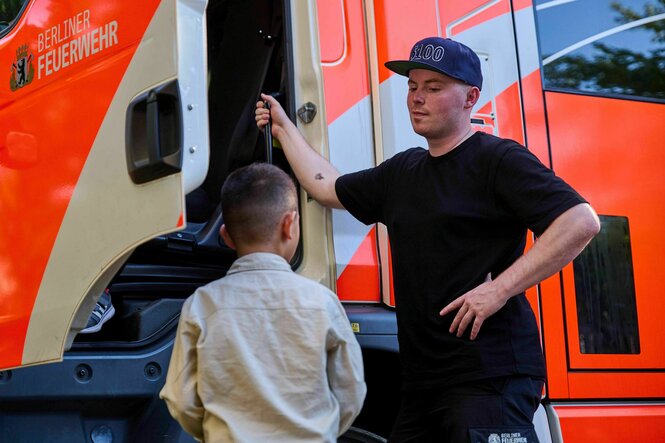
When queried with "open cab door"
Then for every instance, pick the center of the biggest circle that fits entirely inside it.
(103, 130)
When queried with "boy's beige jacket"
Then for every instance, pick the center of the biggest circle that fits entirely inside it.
(264, 355)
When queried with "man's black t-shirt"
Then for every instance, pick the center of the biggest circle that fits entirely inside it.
(452, 220)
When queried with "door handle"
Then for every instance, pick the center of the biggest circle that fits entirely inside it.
(153, 134)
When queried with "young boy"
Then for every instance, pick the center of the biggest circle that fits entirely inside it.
(263, 355)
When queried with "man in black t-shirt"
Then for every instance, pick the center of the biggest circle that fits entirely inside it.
(457, 215)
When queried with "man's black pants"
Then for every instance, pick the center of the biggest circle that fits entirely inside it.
(496, 410)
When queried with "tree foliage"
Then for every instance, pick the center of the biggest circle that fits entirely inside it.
(9, 9)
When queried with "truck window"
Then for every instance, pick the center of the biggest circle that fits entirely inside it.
(617, 50)
(605, 292)
(9, 12)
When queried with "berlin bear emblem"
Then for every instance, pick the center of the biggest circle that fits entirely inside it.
(22, 70)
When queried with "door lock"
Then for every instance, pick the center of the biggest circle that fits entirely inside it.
(307, 112)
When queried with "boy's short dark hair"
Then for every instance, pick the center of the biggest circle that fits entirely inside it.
(254, 199)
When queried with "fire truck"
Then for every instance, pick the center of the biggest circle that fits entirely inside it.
(119, 121)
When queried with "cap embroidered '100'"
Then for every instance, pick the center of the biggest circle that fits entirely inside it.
(442, 55)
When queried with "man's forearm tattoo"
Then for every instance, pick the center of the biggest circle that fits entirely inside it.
(318, 176)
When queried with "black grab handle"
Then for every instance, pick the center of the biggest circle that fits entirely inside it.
(267, 136)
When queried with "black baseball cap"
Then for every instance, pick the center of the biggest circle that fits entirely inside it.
(442, 55)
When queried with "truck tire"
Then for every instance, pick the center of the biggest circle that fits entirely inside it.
(356, 435)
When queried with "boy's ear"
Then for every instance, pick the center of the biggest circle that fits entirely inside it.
(289, 221)
(226, 237)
